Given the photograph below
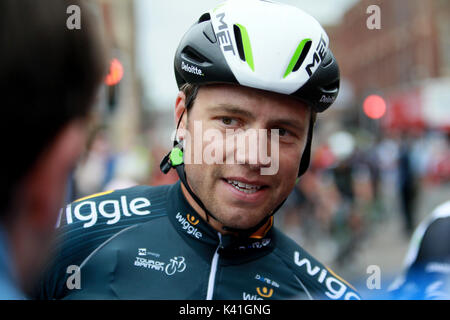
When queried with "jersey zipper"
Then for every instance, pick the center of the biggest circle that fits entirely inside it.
(213, 271)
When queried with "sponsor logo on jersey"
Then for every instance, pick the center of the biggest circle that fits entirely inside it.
(250, 296)
(112, 210)
(176, 264)
(336, 289)
(149, 264)
(261, 292)
(146, 252)
(256, 244)
(192, 219)
(264, 292)
(267, 281)
(188, 223)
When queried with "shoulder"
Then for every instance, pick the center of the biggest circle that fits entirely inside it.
(87, 223)
(427, 262)
(319, 280)
(431, 239)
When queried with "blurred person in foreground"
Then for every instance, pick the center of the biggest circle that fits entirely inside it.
(243, 65)
(426, 274)
(48, 81)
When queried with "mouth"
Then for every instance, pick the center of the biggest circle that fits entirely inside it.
(246, 187)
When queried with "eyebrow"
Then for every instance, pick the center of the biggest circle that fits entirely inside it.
(233, 109)
(236, 110)
(288, 123)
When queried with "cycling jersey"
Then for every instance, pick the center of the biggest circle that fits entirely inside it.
(149, 243)
(427, 264)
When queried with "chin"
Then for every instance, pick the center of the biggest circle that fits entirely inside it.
(236, 221)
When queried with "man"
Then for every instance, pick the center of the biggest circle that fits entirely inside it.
(48, 79)
(244, 66)
(426, 275)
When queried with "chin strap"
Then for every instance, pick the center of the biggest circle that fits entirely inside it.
(306, 156)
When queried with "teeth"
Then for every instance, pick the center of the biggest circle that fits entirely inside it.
(246, 188)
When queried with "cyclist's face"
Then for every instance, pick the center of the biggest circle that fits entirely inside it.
(219, 160)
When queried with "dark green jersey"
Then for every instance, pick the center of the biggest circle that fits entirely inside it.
(149, 243)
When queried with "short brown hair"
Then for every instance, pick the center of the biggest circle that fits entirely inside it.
(190, 91)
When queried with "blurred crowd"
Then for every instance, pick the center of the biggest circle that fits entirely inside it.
(351, 184)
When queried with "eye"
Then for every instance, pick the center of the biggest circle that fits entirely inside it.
(228, 121)
(282, 132)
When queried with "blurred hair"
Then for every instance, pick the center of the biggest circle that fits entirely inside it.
(49, 76)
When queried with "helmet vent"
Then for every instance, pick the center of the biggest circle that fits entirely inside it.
(193, 56)
(331, 87)
(204, 17)
(243, 45)
(239, 44)
(302, 56)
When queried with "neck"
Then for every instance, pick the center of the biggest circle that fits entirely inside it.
(216, 225)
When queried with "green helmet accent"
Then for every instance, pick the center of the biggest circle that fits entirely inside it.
(176, 157)
(296, 61)
(248, 54)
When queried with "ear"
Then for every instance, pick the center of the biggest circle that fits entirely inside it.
(44, 187)
(181, 111)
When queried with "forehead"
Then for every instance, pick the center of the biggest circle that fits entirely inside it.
(258, 102)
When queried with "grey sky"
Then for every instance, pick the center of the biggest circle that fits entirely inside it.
(160, 24)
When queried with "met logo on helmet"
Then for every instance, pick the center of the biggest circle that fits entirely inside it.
(318, 56)
(224, 34)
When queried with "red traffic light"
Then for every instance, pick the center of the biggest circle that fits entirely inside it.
(374, 106)
(115, 73)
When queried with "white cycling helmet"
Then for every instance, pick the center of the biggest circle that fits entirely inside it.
(264, 45)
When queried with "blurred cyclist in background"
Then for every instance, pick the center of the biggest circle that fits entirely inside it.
(48, 81)
(427, 264)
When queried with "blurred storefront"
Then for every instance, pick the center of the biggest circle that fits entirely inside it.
(398, 60)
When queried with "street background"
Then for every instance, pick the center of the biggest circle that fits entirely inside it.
(380, 154)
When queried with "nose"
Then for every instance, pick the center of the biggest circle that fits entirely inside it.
(253, 148)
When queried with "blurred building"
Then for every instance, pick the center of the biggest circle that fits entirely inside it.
(123, 112)
(398, 60)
